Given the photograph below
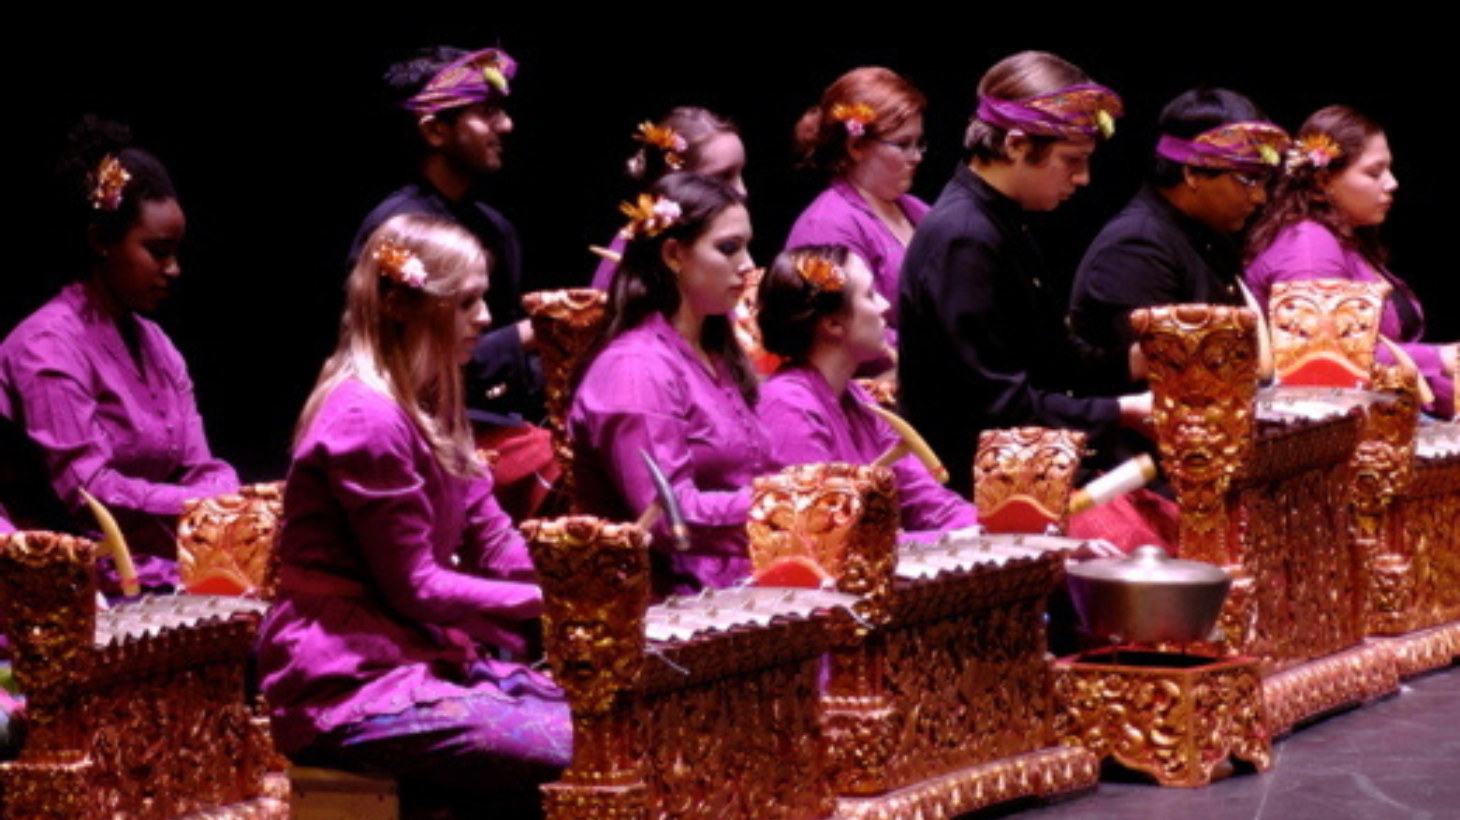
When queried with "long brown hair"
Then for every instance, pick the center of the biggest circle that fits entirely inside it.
(1299, 194)
(401, 340)
(644, 285)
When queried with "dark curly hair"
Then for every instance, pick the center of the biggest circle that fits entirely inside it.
(88, 143)
(1299, 194)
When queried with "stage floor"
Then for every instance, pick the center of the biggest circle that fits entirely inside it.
(1393, 759)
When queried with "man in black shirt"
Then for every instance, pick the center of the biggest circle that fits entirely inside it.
(456, 100)
(1179, 239)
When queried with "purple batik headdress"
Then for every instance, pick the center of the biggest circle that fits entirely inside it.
(1087, 110)
(1245, 147)
(481, 76)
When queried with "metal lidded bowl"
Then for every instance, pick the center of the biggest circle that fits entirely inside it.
(1148, 597)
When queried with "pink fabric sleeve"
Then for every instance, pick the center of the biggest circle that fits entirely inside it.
(60, 413)
(493, 548)
(800, 432)
(201, 472)
(1304, 251)
(797, 428)
(372, 472)
(640, 408)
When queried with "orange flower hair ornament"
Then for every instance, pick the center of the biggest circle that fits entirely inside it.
(855, 117)
(821, 273)
(649, 215)
(108, 183)
(1314, 151)
(400, 264)
(665, 139)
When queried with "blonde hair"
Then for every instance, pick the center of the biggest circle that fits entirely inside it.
(401, 339)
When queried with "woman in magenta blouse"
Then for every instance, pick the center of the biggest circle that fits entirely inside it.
(673, 382)
(100, 389)
(402, 583)
(688, 138)
(821, 311)
(1323, 223)
(867, 134)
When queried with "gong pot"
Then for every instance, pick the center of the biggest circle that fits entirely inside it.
(1148, 597)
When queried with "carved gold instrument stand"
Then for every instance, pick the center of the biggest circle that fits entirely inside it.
(1264, 491)
(696, 708)
(1174, 716)
(937, 697)
(567, 324)
(137, 711)
(1406, 489)
(225, 543)
(1023, 478)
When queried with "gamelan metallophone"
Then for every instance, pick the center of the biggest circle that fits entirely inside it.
(140, 710)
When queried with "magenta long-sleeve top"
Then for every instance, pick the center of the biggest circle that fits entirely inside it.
(394, 574)
(124, 428)
(808, 423)
(840, 216)
(1309, 250)
(648, 390)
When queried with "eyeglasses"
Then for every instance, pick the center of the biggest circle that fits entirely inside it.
(912, 149)
(1251, 180)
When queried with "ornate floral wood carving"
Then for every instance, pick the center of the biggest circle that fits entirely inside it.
(1023, 478)
(1202, 362)
(225, 543)
(839, 519)
(140, 711)
(721, 725)
(567, 324)
(1324, 331)
(1175, 717)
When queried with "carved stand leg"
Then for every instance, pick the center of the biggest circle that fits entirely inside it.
(595, 579)
(857, 719)
(1175, 723)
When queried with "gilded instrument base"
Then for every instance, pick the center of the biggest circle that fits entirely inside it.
(1312, 689)
(1174, 717)
(1424, 650)
(1043, 773)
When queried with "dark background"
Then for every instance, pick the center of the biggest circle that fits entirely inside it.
(279, 143)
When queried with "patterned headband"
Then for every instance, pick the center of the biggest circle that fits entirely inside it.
(1085, 110)
(1236, 146)
(478, 77)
